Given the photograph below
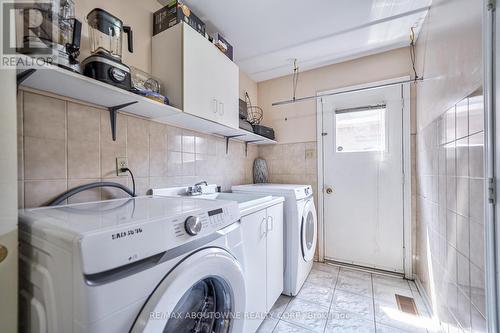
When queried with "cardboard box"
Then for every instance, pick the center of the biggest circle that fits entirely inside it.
(223, 45)
(243, 109)
(174, 13)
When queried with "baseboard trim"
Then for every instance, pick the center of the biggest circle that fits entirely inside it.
(425, 296)
(363, 268)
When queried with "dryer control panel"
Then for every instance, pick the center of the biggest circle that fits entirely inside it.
(303, 192)
(204, 223)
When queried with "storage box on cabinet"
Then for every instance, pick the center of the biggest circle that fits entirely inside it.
(198, 78)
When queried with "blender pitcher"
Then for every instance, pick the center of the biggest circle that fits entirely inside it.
(105, 33)
(105, 62)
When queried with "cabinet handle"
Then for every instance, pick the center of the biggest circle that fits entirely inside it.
(263, 227)
(215, 105)
(270, 223)
(221, 108)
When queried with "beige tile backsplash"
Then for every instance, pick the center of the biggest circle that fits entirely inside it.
(289, 163)
(64, 144)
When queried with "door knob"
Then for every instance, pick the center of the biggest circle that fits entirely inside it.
(3, 253)
(329, 190)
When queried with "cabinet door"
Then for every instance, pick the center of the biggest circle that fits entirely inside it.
(201, 75)
(253, 229)
(228, 92)
(274, 254)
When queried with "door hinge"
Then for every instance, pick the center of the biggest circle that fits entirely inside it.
(324, 134)
(492, 191)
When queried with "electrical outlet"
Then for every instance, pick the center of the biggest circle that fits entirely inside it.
(310, 153)
(121, 162)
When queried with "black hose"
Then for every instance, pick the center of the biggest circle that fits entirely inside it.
(85, 187)
(133, 179)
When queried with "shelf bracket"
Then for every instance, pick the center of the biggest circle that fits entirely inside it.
(227, 137)
(112, 115)
(22, 76)
(246, 145)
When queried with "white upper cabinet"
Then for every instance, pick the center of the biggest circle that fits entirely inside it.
(196, 76)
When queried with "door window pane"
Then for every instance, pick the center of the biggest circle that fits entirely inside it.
(309, 227)
(360, 130)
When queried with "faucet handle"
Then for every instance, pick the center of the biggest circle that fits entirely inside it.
(201, 183)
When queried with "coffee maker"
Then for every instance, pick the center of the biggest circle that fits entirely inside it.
(58, 32)
(105, 62)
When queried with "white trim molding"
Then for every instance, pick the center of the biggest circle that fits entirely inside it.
(491, 89)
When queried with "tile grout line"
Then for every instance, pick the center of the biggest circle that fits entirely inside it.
(99, 147)
(373, 303)
(304, 327)
(24, 149)
(281, 314)
(334, 287)
(66, 144)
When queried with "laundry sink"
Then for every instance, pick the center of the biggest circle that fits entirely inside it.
(244, 200)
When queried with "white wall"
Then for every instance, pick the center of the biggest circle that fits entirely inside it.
(297, 122)
(450, 169)
(137, 14)
(449, 56)
(250, 86)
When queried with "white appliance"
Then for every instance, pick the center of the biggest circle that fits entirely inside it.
(262, 234)
(300, 234)
(132, 265)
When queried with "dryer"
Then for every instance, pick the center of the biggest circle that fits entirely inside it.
(145, 264)
(300, 230)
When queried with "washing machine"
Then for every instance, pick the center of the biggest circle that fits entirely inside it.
(146, 264)
(300, 229)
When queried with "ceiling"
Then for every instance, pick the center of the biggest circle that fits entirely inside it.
(268, 34)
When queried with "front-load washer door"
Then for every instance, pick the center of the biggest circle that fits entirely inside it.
(205, 293)
(308, 230)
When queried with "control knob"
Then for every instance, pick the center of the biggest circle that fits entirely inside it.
(192, 225)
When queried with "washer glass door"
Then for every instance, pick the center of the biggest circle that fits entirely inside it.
(205, 307)
(205, 293)
(308, 231)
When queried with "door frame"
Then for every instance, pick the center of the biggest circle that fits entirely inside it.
(407, 170)
(491, 90)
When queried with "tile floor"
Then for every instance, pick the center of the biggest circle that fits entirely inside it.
(337, 299)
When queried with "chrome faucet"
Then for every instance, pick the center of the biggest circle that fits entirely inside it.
(196, 189)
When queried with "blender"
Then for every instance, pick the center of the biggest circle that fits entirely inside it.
(105, 62)
(58, 32)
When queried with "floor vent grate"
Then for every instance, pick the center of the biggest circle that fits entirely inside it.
(406, 304)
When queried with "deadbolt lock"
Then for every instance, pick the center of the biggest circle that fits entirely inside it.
(329, 190)
(3, 253)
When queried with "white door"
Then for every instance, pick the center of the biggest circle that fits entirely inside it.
(363, 178)
(227, 90)
(200, 76)
(210, 81)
